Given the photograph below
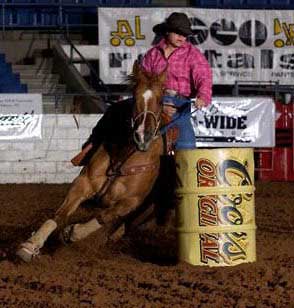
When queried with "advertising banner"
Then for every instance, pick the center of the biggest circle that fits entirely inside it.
(245, 45)
(235, 122)
(20, 116)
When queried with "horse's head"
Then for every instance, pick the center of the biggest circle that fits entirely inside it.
(148, 91)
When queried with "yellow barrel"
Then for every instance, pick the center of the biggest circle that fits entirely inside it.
(215, 211)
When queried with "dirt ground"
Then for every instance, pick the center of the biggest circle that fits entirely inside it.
(141, 270)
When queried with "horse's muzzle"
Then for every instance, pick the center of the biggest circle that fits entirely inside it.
(143, 147)
(143, 141)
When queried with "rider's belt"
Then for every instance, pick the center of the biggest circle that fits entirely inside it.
(175, 94)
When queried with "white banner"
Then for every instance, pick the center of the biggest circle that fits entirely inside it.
(236, 122)
(245, 45)
(20, 116)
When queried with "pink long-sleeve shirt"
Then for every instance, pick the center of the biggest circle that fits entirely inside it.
(188, 71)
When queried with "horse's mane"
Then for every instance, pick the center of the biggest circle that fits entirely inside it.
(139, 75)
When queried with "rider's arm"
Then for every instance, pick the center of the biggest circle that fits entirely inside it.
(202, 78)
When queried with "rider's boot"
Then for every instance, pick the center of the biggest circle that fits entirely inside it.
(32, 246)
(78, 159)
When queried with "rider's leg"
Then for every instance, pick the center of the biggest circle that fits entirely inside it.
(112, 123)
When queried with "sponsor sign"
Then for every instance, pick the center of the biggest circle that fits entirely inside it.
(20, 116)
(245, 45)
(235, 122)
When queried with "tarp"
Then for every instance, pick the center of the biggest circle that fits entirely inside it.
(235, 122)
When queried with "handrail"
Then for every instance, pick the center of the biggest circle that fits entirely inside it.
(100, 82)
(59, 96)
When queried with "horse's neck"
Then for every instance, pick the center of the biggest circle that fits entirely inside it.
(154, 151)
(129, 153)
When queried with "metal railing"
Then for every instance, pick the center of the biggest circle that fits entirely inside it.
(273, 88)
(60, 10)
(94, 78)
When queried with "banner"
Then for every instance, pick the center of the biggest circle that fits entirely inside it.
(20, 116)
(243, 45)
(235, 122)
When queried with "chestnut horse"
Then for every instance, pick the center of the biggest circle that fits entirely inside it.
(121, 176)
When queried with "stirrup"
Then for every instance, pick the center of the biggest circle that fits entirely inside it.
(66, 234)
(28, 251)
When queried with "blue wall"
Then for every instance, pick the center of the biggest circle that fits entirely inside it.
(56, 13)
(9, 82)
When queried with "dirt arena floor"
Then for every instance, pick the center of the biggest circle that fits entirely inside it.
(140, 269)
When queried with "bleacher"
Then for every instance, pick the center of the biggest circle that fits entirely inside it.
(46, 20)
(21, 14)
(245, 4)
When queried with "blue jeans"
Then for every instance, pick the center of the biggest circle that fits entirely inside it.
(182, 119)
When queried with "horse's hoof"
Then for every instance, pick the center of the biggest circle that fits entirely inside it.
(27, 251)
(66, 234)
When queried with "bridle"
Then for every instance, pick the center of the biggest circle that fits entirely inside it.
(157, 119)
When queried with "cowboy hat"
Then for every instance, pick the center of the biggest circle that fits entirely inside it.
(177, 22)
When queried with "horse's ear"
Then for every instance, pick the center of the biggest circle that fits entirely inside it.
(138, 73)
(136, 68)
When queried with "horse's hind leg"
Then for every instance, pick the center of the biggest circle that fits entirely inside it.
(80, 191)
(108, 216)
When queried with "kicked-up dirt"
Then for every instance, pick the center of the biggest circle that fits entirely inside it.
(141, 269)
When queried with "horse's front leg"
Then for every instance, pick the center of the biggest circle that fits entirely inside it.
(84, 187)
(80, 191)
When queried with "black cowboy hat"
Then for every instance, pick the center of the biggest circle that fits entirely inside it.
(176, 22)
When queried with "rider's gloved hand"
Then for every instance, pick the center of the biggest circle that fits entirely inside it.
(199, 103)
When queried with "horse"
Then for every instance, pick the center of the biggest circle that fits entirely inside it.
(120, 174)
